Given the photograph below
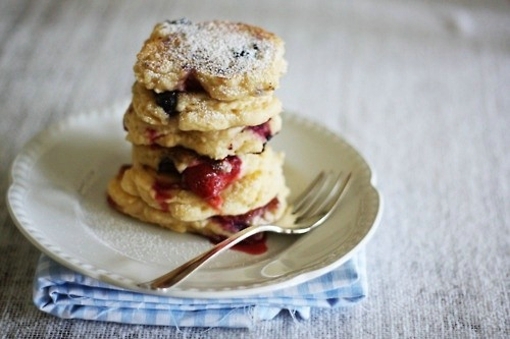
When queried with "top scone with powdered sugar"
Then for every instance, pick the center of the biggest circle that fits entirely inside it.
(227, 60)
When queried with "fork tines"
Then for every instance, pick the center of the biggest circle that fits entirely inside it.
(322, 195)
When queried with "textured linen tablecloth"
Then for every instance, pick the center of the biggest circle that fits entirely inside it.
(420, 88)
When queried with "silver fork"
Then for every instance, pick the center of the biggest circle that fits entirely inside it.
(309, 210)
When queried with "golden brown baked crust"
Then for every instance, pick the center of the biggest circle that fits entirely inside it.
(196, 111)
(228, 60)
(211, 227)
(202, 110)
(214, 144)
(148, 195)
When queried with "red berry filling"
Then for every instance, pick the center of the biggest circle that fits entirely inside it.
(209, 178)
(236, 223)
(263, 130)
(162, 192)
(152, 135)
(205, 177)
(253, 247)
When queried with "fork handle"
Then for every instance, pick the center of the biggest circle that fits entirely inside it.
(173, 277)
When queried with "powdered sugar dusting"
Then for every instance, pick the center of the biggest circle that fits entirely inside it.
(217, 47)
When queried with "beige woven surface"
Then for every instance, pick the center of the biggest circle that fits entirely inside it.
(421, 88)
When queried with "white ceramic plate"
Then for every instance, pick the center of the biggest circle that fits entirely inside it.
(57, 199)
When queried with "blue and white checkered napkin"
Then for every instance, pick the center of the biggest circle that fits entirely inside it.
(70, 295)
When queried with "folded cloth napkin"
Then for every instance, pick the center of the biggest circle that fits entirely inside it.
(70, 295)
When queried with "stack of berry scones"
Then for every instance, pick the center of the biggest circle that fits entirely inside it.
(202, 110)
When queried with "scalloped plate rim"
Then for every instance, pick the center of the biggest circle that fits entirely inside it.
(41, 142)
